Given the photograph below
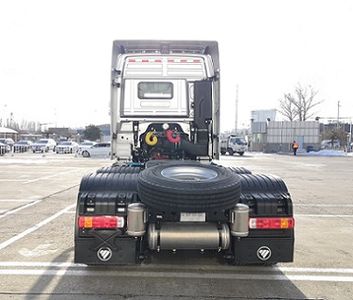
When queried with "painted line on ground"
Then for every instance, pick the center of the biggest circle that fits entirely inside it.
(16, 200)
(202, 268)
(41, 264)
(49, 176)
(324, 205)
(144, 274)
(13, 180)
(10, 212)
(322, 216)
(35, 227)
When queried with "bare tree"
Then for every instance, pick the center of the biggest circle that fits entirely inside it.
(287, 108)
(299, 107)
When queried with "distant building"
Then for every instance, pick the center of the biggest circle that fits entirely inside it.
(263, 115)
(59, 133)
(274, 136)
(8, 133)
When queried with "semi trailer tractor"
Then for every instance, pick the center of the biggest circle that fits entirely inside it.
(166, 190)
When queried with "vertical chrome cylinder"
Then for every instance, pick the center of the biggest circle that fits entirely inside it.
(239, 220)
(136, 219)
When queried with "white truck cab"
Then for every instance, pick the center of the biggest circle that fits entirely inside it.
(164, 91)
(234, 144)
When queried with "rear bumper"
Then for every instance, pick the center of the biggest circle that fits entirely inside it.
(129, 250)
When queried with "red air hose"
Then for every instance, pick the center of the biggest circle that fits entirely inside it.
(172, 136)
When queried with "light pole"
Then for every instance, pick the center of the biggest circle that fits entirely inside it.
(338, 114)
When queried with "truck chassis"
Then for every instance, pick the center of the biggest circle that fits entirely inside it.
(169, 195)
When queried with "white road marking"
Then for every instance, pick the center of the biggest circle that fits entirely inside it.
(12, 180)
(2, 210)
(198, 275)
(70, 212)
(10, 212)
(202, 268)
(16, 200)
(49, 176)
(40, 250)
(323, 205)
(40, 264)
(316, 270)
(322, 216)
(35, 227)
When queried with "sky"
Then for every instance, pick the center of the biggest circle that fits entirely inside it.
(55, 55)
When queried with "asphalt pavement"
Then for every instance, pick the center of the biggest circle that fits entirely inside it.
(37, 205)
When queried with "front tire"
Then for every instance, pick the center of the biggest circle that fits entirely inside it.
(230, 151)
(85, 154)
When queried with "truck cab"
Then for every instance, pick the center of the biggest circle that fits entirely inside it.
(165, 100)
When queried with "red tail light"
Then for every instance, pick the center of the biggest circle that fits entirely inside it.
(271, 223)
(101, 222)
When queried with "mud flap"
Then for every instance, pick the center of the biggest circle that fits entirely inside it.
(263, 250)
(117, 251)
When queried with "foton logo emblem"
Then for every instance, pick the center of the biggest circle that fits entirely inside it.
(104, 253)
(264, 253)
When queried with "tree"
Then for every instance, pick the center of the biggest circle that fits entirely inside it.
(334, 135)
(300, 105)
(287, 108)
(92, 132)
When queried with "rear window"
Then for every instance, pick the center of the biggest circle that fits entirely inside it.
(155, 90)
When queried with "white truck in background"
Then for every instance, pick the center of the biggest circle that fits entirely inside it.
(234, 144)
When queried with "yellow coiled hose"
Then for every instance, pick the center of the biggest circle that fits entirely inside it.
(151, 139)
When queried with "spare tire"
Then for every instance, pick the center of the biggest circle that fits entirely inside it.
(188, 187)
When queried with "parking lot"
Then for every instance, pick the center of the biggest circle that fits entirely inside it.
(37, 205)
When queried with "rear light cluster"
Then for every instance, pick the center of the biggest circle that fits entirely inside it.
(101, 222)
(271, 223)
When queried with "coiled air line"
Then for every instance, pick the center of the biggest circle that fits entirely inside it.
(151, 139)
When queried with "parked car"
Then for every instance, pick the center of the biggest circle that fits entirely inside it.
(44, 145)
(100, 149)
(330, 144)
(66, 147)
(8, 143)
(2, 148)
(22, 146)
(84, 146)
